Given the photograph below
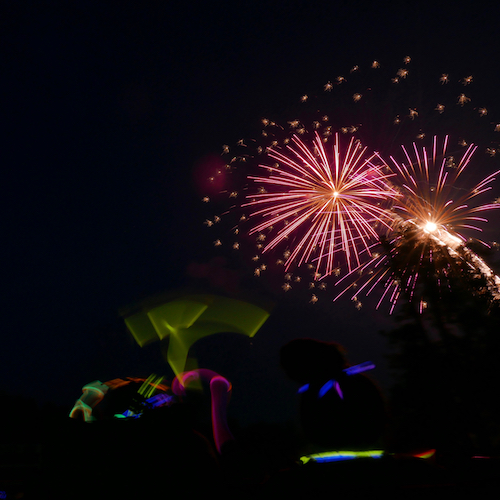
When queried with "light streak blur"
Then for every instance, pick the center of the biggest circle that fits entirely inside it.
(220, 392)
(182, 321)
(338, 456)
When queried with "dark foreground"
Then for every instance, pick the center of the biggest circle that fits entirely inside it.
(81, 461)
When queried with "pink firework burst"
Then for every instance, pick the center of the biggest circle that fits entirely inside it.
(433, 201)
(320, 200)
(426, 242)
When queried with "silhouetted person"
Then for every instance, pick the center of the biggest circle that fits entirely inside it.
(337, 411)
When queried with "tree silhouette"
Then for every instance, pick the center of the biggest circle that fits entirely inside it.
(445, 354)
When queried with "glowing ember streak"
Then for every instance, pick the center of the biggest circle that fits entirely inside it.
(328, 200)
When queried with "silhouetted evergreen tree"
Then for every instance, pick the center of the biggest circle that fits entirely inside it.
(445, 354)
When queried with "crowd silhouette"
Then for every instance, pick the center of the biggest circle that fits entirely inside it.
(126, 447)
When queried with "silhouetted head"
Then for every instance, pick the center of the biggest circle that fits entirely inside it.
(308, 360)
(350, 417)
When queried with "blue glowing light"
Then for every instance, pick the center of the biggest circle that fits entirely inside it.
(352, 370)
(362, 367)
(161, 399)
(304, 388)
(325, 388)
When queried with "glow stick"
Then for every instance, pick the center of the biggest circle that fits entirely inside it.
(337, 456)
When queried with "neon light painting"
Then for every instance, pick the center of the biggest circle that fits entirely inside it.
(183, 321)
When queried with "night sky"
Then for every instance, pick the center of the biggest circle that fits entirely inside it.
(110, 111)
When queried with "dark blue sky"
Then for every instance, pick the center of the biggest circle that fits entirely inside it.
(107, 108)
